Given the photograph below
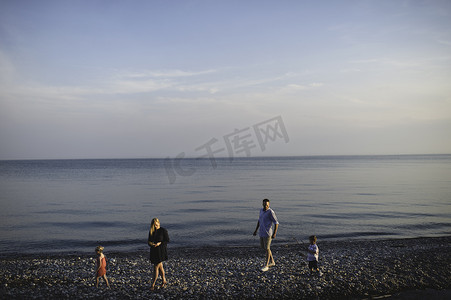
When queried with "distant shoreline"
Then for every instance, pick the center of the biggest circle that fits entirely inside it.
(235, 157)
(352, 269)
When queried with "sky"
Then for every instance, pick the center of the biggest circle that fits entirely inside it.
(143, 79)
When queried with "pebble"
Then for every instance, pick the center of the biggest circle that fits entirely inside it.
(357, 270)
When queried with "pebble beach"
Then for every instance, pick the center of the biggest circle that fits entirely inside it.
(383, 269)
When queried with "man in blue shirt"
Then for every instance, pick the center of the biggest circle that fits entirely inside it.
(266, 219)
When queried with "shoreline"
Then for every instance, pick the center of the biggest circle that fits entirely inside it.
(363, 269)
(177, 249)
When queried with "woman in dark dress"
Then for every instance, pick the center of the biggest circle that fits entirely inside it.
(158, 239)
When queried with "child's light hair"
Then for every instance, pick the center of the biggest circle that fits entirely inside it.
(99, 249)
(312, 238)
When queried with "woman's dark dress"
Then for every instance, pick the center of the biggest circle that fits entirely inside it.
(160, 253)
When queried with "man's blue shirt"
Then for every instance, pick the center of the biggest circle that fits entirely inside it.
(266, 219)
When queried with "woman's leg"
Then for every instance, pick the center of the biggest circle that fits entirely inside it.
(162, 274)
(155, 275)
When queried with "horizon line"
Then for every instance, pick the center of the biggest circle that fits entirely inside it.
(235, 157)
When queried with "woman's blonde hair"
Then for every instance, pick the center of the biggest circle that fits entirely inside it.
(152, 225)
(99, 249)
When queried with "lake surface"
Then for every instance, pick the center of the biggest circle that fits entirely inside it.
(53, 206)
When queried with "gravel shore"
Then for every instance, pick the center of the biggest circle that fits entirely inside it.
(398, 269)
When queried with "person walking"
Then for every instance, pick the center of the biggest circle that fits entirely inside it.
(157, 240)
(265, 230)
(101, 266)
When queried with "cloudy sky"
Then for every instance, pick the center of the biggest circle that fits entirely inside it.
(129, 79)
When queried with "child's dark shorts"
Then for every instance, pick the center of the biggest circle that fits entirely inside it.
(313, 264)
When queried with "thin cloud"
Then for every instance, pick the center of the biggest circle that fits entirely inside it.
(316, 84)
(301, 87)
(399, 63)
(444, 42)
(137, 86)
(164, 74)
(118, 83)
(350, 70)
(7, 69)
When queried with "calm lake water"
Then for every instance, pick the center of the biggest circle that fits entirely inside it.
(73, 205)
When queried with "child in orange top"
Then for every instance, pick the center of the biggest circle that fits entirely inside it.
(101, 266)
